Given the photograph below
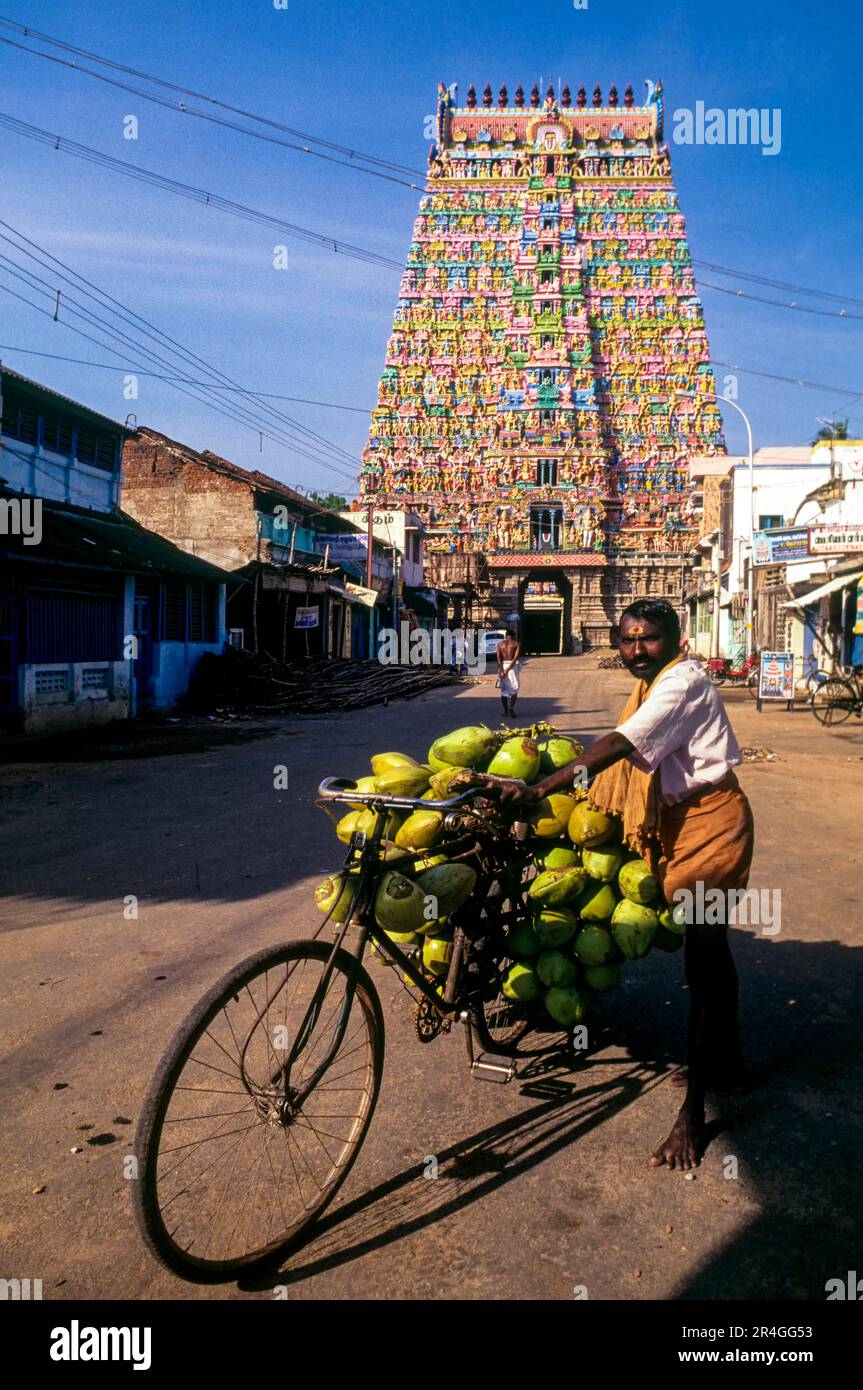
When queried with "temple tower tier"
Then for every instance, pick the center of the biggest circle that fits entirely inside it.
(548, 374)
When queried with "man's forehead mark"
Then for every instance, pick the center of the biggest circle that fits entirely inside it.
(636, 630)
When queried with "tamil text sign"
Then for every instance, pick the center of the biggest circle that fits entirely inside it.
(836, 540)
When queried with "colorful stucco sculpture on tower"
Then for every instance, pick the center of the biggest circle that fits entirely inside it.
(547, 319)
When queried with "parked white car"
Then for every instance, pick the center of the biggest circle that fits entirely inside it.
(490, 641)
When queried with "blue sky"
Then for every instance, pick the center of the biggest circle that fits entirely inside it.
(366, 75)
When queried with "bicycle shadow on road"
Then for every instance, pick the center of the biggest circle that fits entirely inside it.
(794, 1203)
(469, 1170)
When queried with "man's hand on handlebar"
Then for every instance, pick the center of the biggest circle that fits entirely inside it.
(512, 789)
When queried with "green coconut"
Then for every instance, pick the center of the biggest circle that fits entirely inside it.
(597, 902)
(557, 887)
(602, 863)
(451, 781)
(594, 946)
(554, 927)
(565, 1004)
(550, 817)
(556, 968)
(672, 918)
(589, 827)
(516, 757)
(637, 883)
(634, 928)
(522, 941)
(437, 954)
(399, 904)
(467, 747)
(558, 752)
(450, 884)
(385, 762)
(521, 982)
(556, 857)
(421, 830)
(601, 977)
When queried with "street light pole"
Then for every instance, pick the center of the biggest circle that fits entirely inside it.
(750, 623)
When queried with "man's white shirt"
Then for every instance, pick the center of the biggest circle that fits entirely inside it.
(682, 732)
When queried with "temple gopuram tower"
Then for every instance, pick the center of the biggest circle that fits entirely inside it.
(530, 410)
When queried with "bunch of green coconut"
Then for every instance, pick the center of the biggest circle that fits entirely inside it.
(593, 903)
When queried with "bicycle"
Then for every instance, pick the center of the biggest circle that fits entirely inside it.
(283, 1057)
(837, 698)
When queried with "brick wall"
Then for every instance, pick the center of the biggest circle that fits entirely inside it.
(201, 510)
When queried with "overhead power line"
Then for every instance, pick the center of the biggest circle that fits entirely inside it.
(778, 304)
(197, 195)
(27, 31)
(263, 419)
(215, 120)
(186, 381)
(355, 159)
(776, 284)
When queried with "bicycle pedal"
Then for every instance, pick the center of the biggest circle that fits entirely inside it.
(488, 1067)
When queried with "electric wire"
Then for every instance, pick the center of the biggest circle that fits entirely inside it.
(197, 195)
(309, 438)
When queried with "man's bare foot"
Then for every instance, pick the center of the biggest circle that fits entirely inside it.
(738, 1083)
(682, 1148)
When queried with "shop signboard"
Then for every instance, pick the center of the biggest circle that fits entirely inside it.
(307, 617)
(776, 677)
(775, 546)
(836, 539)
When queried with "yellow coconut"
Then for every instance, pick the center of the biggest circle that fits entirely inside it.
(364, 784)
(334, 895)
(550, 817)
(347, 825)
(589, 827)
(403, 781)
(420, 830)
(366, 821)
(384, 762)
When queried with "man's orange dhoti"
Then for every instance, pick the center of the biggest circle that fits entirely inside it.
(708, 839)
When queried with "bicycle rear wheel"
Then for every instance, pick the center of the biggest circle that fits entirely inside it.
(232, 1172)
(834, 703)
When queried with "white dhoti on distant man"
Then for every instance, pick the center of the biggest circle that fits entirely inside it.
(508, 671)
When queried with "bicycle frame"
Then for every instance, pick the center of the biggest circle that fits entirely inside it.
(332, 789)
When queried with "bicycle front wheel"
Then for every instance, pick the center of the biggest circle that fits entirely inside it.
(232, 1169)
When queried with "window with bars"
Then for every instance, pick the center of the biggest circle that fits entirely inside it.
(188, 612)
(57, 434)
(63, 625)
(97, 450)
(20, 421)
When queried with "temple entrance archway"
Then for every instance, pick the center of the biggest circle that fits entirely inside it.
(545, 613)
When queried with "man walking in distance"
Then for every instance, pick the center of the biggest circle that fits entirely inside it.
(667, 771)
(508, 671)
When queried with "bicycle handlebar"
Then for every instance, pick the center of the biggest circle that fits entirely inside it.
(341, 789)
